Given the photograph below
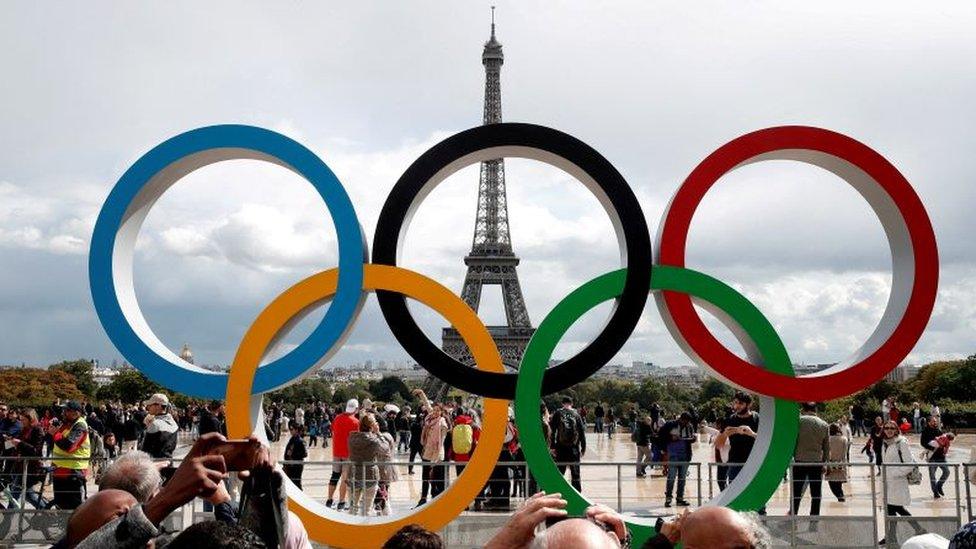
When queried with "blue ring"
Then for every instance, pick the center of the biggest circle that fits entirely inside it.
(326, 336)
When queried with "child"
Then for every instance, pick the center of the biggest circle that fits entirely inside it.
(313, 433)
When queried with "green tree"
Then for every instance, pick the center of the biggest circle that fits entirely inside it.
(36, 387)
(83, 372)
(390, 389)
(307, 390)
(130, 386)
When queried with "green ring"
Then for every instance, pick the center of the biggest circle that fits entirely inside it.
(759, 488)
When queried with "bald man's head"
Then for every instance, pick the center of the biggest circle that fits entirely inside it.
(722, 528)
(576, 533)
(97, 511)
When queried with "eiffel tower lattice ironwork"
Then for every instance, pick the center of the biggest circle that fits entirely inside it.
(492, 260)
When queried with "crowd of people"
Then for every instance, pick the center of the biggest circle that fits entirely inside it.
(116, 446)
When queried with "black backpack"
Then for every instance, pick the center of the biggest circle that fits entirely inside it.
(566, 434)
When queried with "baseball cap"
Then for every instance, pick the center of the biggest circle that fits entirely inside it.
(352, 405)
(158, 398)
(74, 405)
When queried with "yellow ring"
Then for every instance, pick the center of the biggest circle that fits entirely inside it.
(243, 407)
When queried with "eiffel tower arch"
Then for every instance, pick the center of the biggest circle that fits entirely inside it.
(492, 260)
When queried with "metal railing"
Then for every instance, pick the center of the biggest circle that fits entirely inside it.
(28, 516)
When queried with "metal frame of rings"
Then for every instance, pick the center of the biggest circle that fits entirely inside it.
(768, 370)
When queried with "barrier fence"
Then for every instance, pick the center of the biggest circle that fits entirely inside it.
(28, 514)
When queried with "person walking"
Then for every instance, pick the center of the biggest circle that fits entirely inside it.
(295, 450)
(936, 454)
(812, 451)
(344, 425)
(568, 440)
(416, 426)
(837, 470)
(875, 442)
(402, 424)
(611, 423)
(918, 421)
(676, 439)
(598, 414)
(645, 432)
(857, 419)
(897, 454)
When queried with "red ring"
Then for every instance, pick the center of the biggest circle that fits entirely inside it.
(673, 238)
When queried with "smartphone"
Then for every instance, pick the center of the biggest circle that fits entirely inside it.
(239, 455)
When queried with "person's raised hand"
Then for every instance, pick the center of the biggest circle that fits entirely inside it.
(609, 517)
(195, 477)
(263, 460)
(519, 531)
(205, 444)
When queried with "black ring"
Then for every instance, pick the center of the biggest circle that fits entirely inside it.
(537, 143)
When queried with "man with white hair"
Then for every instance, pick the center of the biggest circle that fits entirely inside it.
(602, 527)
(133, 472)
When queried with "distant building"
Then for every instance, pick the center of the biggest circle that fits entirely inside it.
(186, 354)
(903, 373)
(104, 376)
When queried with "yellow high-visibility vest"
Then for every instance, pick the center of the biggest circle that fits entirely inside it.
(78, 459)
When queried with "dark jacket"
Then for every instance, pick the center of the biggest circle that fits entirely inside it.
(209, 423)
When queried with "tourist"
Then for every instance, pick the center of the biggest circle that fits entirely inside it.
(645, 432)
(712, 527)
(160, 436)
(598, 414)
(893, 412)
(918, 420)
(26, 471)
(344, 425)
(935, 450)
(295, 451)
(611, 423)
(300, 416)
(721, 447)
(568, 440)
(936, 412)
(812, 451)
(402, 423)
(365, 447)
(413, 536)
(464, 437)
(741, 427)
(857, 419)
(111, 444)
(313, 432)
(895, 450)
(836, 475)
(134, 472)
(432, 437)
(876, 441)
(388, 472)
(210, 418)
(885, 408)
(676, 439)
(416, 426)
(72, 450)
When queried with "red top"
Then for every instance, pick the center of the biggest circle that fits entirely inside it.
(341, 427)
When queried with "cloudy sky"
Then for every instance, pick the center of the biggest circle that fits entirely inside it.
(654, 87)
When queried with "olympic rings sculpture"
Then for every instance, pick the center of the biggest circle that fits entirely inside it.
(768, 370)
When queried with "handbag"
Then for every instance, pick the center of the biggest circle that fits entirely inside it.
(914, 476)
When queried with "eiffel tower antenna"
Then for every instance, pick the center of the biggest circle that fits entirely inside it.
(491, 260)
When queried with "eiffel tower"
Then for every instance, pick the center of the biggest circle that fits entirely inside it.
(491, 260)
